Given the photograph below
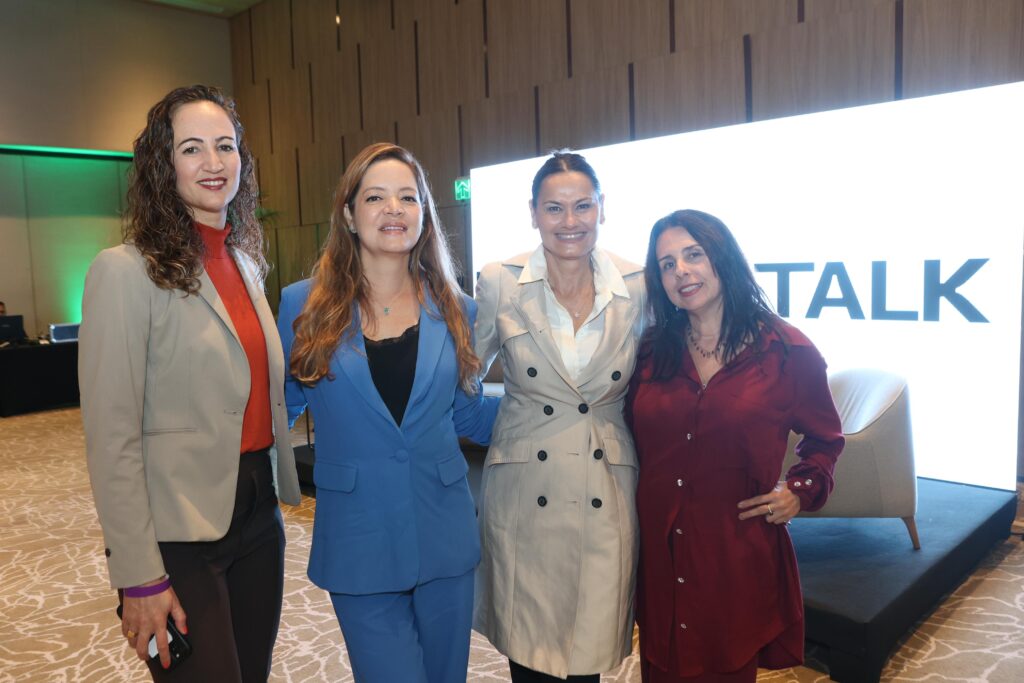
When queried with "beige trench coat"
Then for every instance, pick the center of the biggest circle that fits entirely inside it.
(558, 525)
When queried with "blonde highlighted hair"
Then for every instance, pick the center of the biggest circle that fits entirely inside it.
(338, 281)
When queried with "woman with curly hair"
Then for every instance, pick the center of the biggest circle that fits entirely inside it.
(380, 345)
(181, 374)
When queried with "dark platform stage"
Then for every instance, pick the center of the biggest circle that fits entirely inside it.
(864, 585)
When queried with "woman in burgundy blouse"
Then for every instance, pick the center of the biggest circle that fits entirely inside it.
(720, 383)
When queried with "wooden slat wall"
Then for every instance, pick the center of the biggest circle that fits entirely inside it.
(690, 90)
(845, 60)
(465, 83)
(699, 22)
(610, 33)
(958, 44)
(600, 97)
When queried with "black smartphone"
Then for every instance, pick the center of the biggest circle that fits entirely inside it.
(177, 644)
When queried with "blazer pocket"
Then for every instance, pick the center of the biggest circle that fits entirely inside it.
(453, 469)
(619, 452)
(327, 475)
(509, 450)
(168, 396)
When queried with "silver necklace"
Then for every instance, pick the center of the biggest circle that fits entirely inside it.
(713, 353)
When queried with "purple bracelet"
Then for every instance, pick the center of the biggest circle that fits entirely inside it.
(146, 591)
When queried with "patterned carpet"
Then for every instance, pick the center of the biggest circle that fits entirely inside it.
(57, 621)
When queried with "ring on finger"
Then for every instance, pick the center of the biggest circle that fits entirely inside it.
(131, 634)
(770, 512)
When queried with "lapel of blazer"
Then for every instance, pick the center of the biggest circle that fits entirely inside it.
(619, 316)
(208, 291)
(433, 333)
(351, 358)
(529, 302)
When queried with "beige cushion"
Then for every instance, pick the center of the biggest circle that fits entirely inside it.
(875, 474)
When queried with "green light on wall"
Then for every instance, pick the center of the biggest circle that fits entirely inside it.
(462, 190)
(36, 150)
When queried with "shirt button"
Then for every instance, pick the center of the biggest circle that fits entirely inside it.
(548, 410)
(679, 482)
(681, 580)
(583, 407)
(598, 454)
(542, 455)
(679, 531)
(596, 502)
(532, 372)
(542, 501)
(616, 376)
(689, 436)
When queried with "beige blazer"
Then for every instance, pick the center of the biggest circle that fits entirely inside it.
(557, 516)
(164, 383)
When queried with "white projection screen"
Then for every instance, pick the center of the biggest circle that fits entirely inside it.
(897, 229)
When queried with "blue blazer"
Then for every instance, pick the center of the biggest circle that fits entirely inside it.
(393, 507)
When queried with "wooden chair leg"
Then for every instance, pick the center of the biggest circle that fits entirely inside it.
(912, 530)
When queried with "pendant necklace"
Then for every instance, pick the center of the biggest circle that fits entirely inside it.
(713, 353)
(390, 304)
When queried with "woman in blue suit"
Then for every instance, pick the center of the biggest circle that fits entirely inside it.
(380, 347)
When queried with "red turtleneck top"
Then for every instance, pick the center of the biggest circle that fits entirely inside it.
(257, 427)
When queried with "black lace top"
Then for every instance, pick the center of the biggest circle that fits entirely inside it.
(393, 367)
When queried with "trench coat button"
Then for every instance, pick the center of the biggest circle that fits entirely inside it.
(689, 436)
(598, 454)
(682, 626)
(796, 484)
(583, 407)
(808, 482)
(679, 531)
(548, 410)
(679, 482)
(596, 502)
(681, 580)
(616, 376)
(532, 372)
(106, 551)
(542, 501)
(542, 455)
(402, 455)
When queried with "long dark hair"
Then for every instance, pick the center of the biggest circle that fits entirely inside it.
(338, 282)
(159, 223)
(746, 314)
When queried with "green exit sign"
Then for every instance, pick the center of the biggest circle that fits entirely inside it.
(462, 189)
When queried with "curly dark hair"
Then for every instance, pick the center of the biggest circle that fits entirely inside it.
(746, 314)
(159, 223)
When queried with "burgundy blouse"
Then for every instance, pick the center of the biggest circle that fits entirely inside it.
(713, 591)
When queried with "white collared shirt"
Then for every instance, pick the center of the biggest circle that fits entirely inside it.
(577, 346)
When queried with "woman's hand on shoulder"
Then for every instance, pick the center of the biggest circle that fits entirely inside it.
(777, 507)
(145, 617)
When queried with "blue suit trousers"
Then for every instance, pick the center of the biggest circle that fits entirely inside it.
(416, 636)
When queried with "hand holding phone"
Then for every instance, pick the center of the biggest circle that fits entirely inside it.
(178, 646)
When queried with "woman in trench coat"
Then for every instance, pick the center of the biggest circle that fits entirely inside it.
(557, 515)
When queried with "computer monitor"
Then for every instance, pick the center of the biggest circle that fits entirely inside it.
(12, 328)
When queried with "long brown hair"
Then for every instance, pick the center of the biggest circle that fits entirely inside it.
(338, 281)
(159, 223)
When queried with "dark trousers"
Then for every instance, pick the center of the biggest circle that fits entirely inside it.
(231, 589)
(520, 674)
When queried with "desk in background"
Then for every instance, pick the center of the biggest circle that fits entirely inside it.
(38, 377)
